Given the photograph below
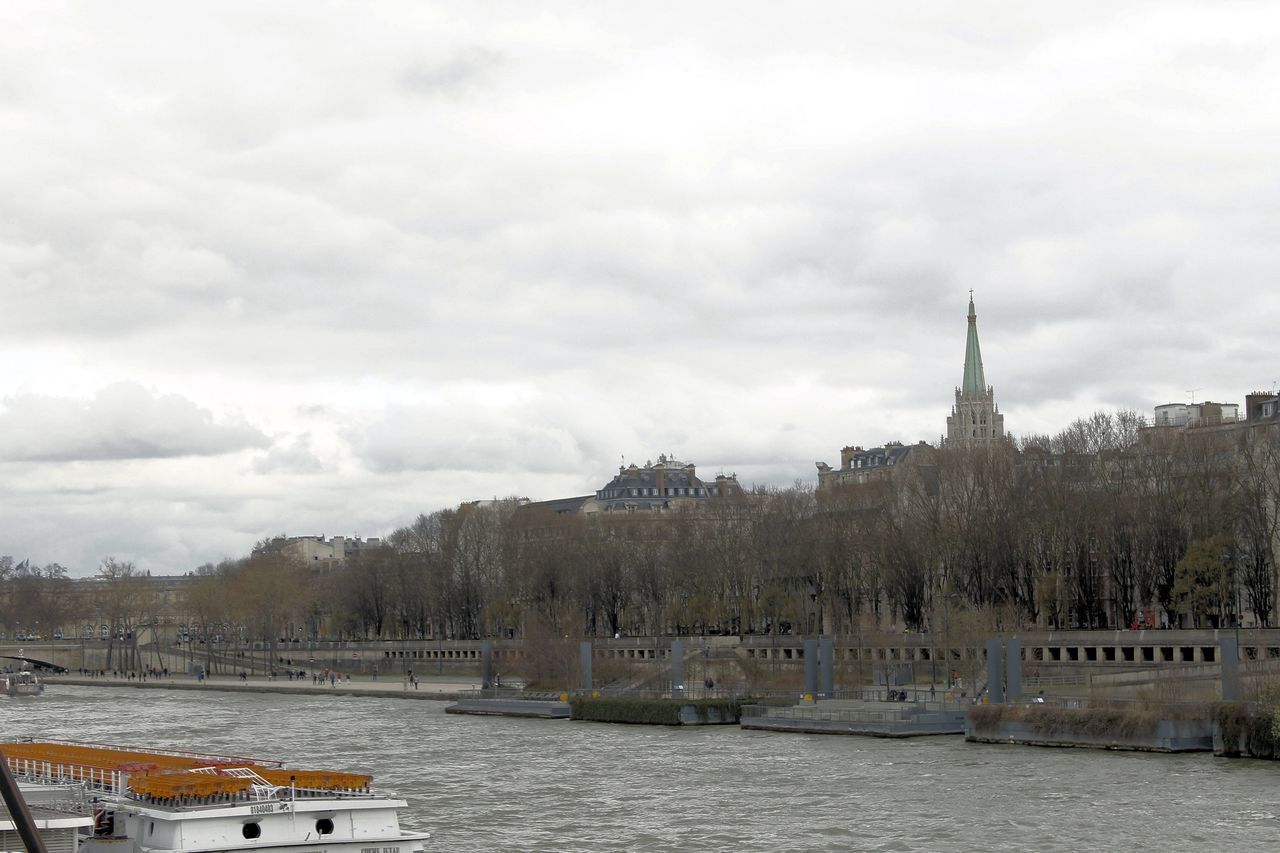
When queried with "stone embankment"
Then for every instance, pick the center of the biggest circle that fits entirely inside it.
(504, 702)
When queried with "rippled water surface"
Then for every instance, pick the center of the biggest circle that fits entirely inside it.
(491, 783)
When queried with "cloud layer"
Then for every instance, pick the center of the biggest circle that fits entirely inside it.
(321, 269)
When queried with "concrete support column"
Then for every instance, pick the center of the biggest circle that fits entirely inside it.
(1013, 666)
(584, 664)
(827, 660)
(995, 672)
(1229, 651)
(677, 665)
(486, 665)
(811, 667)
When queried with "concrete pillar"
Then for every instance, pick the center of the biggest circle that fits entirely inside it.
(677, 665)
(584, 664)
(1013, 666)
(486, 665)
(1229, 651)
(995, 672)
(827, 660)
(811, 667)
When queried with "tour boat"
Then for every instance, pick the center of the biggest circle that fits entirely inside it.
(22, 683)
(153, 801)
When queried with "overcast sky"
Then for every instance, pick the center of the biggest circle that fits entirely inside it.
(318, 268)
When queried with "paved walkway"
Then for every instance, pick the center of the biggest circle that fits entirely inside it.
(429, 687)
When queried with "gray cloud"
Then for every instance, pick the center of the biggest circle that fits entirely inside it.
(293, 457)
(122, 421)
(466, 70)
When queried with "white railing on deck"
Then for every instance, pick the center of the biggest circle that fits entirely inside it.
(50, 772)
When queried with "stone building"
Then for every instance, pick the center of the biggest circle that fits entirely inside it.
(317, 549)
(975, 420)
(1195, 414)
(859, 466)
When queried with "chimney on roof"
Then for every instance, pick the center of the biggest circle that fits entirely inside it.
(722, 485)
(661, 471)
(1253, 404)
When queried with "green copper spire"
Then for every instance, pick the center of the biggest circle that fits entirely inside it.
(975, 384)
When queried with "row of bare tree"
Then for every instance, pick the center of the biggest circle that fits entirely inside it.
(1101, 526)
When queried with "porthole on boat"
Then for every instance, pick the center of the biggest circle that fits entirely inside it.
(324, 826)
(252, 830)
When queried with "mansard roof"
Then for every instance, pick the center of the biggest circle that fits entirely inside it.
(890, 454)
(638, 487)
(636, 477)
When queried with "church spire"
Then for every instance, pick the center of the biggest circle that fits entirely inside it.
(975, 420)
(974, 382)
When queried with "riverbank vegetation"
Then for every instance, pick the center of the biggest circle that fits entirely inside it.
(657, 712)
(1248, 729)
(1099, 720)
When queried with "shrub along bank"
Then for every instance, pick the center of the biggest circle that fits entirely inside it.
(1053, 721)
(1245, 730)
(655, 712)
(1148, 728)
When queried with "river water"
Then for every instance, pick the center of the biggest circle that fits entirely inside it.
(492, 783)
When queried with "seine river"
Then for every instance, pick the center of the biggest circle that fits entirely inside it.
(489, 783)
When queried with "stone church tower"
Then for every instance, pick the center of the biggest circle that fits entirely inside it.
(975, 421)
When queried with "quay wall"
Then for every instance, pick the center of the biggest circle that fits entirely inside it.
(362, 688)
(1044, 653)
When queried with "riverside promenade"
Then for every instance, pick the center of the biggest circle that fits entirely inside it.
(436, 688)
